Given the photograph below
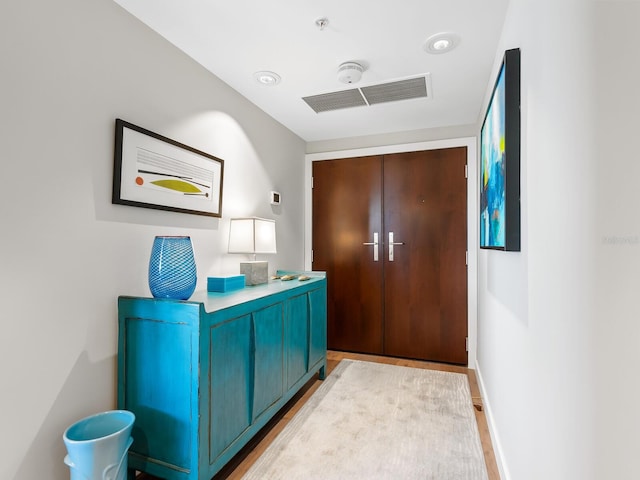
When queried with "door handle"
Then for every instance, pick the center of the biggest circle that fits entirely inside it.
(375, 246)
(391, 245)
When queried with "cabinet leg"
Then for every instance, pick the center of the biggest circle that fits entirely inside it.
(131, 474)
(322, 372)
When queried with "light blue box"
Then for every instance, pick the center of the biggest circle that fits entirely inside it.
(225, 284)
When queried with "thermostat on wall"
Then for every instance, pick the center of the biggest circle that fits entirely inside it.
(275, 198)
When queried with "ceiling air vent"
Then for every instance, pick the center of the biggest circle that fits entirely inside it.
(394, 91)
(374, 94)
(335, 100)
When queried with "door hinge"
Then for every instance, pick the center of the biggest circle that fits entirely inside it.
(466, 171)
(466, 258)
(311, 182)
(312, 256)
(466, 343)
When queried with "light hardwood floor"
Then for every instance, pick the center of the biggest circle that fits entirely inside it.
(239, 465)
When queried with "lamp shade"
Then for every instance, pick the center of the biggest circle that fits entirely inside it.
(252, 235)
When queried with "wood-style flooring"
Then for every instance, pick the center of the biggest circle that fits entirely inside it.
(239, 465)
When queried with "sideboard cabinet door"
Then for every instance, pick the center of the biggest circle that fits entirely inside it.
(160, 384)
(318, 327)
(229, 405)
(268, 327)
(296, 335)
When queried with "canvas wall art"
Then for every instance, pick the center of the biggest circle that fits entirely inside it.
(500, 161)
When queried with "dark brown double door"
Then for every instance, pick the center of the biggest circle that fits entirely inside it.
(390, 231)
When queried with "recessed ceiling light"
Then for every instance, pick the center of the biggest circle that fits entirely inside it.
(267, 78)
(441, 43)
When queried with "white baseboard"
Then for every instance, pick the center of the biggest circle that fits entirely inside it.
(495, 438)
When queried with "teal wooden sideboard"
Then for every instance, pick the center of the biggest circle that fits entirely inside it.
(202, 376)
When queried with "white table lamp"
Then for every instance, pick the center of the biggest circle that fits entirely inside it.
(253, 235)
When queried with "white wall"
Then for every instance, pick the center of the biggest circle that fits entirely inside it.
(68, 69)
(539, 347)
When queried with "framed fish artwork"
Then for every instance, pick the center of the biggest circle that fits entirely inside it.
(153, 171)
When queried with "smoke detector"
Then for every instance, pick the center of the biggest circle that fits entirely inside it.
(350, 72)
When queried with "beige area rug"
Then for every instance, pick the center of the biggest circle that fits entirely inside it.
(376, 421)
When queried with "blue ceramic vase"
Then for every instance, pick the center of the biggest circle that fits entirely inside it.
(172, 268)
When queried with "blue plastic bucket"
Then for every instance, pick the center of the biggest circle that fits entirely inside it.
(97, 446)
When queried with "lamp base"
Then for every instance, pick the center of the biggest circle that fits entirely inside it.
(255, 273)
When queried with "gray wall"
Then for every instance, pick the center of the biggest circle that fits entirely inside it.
(397, 138)
(616, 337)
(68, 69)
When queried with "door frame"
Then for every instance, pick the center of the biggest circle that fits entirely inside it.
(472, 218)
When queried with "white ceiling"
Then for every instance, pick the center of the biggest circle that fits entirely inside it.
(235, 38)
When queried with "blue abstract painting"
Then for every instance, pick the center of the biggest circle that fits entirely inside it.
(492, 170)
